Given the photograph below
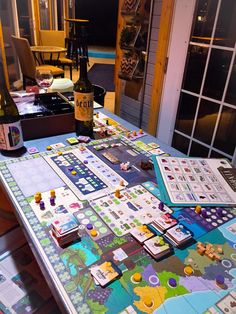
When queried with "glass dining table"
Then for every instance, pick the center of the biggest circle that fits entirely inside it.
(40, 51)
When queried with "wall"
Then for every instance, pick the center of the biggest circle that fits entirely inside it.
(103, 20)
(131, 106)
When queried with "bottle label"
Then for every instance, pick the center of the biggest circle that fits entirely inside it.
(83, 106)
(11, 136)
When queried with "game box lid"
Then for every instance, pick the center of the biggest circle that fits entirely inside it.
(45, 115)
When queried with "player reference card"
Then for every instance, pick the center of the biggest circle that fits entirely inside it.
(192, 181)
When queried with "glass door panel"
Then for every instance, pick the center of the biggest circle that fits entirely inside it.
(225, 34)
(24, 12)
(8, 29)
(59, 14)
(44, 12)
(206, 117)
(203, 21)
(217, 73)
(196, 62)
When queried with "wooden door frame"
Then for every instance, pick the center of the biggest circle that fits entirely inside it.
(117, 80)
(4, 60)
(161, 63)
(177, 52)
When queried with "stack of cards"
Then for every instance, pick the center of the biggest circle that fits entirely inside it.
(65, 229)
(178, 235)
(142, 233)
(164, 222)
(157, 247)
(105, 273)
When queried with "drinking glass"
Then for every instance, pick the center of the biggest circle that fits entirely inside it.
(44, 78)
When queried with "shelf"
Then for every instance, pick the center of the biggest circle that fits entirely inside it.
(130, 7)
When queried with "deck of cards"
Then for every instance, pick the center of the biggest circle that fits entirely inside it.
(164, 222)
(105, 273)
(65, 229)
(142, 233)
(178, 235)
(157, 247)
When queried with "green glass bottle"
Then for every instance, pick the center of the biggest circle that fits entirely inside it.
(11, 137)
(83, 98)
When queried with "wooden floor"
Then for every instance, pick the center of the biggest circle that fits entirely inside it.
(109, 103)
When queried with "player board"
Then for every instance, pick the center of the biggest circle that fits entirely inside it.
(136, 206)
(33, 175)
(114, 153)
(190, 181)
(65, 202)
(212, 220)
(85, 174)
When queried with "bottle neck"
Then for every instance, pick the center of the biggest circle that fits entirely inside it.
(83, 69)
(3, 85)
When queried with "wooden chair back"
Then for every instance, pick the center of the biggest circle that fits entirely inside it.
(25, 56)
(52, 38)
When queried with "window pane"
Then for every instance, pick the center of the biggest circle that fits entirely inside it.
(7, 20)
(186, 112)
(231, 91)
(195, 65)
(226, 134)
(25, 20)
(180, 142)
(204, 20)
(225, 34)
(198, 150)
(215, 154)
(216, 74)
(206, 120)
(44, 15)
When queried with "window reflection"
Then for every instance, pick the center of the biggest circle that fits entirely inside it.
(203, 21)
(231, 91)
(226, 134)
(206, 119)
(186, 113)
(195, 65)
(198, 150)
(217, 73)
(225, 27)
(215, 154)
(180, 142)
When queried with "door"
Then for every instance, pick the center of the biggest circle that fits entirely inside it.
(8, 14)
(25, 24)
(204, 98)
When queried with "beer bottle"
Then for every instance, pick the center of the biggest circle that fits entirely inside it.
(83, 98)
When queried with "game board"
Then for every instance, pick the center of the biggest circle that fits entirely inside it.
(166, 286)
(190, 181)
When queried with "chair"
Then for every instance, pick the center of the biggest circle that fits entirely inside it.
(56, 38)
(27, 61)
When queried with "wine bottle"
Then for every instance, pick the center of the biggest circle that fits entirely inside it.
(11, 137)
(83, 98)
